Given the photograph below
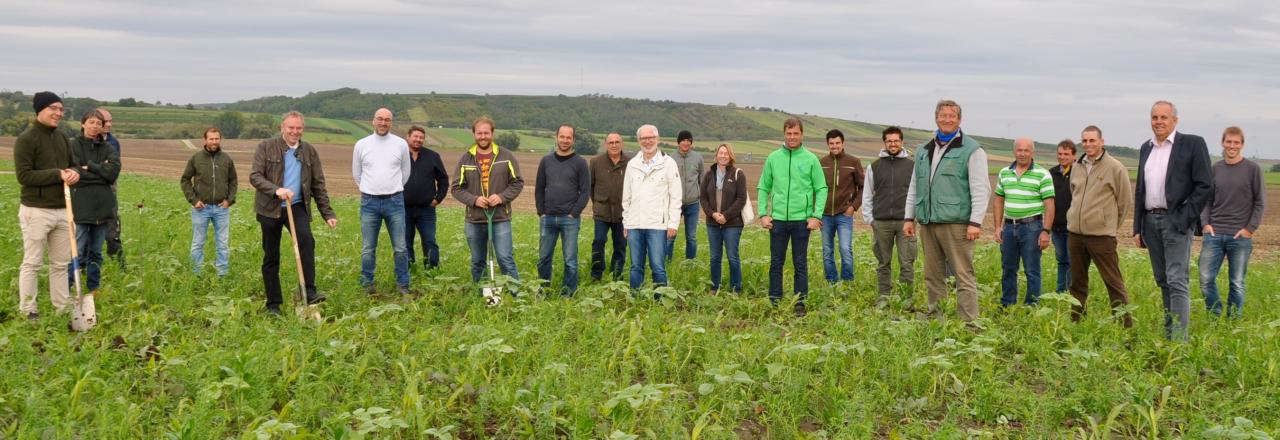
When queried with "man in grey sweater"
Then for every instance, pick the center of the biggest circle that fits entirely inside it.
(561, 193)
(689, 163)
(1230, 219)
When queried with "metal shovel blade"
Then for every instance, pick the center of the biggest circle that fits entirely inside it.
(84, 314)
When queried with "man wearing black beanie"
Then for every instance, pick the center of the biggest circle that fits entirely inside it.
(42, 161)
(689, 163)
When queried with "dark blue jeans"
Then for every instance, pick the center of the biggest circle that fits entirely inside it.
(619, 257)
(1020, 242)
(837, 233)
(1213, 250)
(724, 240)
(796, 233)
(689, 213)
(1170, 251)
(374, 211)
(561, 228)
(89, 240)
(1064, 261)
(221, 219)
(647, 245)
(422, 220)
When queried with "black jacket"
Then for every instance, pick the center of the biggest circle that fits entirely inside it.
(39, 156)
(210, 178)
(92, 200)
(1062, 196)
(428, 180)
(734, 197)
(1188, 183)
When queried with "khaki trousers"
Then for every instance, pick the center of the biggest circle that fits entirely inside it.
(945, 245)
(43, 230)
(888, 234)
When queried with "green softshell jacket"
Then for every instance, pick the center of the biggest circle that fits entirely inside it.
(210, 178)
(792, 186)
(39, 155)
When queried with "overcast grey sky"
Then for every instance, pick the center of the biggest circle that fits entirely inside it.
(1019, 68)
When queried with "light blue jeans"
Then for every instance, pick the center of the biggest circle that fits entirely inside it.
(1213, 250)
(221, 219)
(832, 226)
(478, 241)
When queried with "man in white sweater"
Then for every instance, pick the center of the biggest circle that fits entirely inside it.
(651, 196)
(380, 164)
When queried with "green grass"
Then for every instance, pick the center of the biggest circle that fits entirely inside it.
(179, 356)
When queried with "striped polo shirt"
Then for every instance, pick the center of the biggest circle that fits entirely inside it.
(1024, 195)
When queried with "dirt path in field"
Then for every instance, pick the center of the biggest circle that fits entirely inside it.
(167, 159)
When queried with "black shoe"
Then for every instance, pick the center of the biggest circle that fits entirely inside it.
(801, 310)
(273, 309)
(317, 298)
(371, 290)
(33, 316)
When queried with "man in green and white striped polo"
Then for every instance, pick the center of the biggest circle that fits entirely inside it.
(1024, 200)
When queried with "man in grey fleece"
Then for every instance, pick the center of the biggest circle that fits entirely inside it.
(1230, 219)
(561, 193)
(689, 163)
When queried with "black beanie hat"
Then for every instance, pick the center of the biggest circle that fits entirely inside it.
(43, 100)
(684, 134)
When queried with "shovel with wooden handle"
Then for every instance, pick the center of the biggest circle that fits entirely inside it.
(303, 310)
(84, 315)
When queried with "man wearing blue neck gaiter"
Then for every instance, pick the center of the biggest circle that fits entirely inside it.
(948, 198)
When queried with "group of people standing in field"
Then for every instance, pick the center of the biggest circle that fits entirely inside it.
(938, 195)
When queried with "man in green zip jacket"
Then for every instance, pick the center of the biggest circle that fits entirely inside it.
(792, 193)
(42, 163)
(948, 198)
(209, 182)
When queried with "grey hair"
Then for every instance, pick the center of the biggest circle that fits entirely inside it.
(648, 126)
(1170, 104)
(947, 103)
(291, 114)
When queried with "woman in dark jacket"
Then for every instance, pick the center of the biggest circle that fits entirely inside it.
(724, 193)
(93, 203)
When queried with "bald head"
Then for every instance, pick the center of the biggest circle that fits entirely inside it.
(1024, 151)
(382, 121)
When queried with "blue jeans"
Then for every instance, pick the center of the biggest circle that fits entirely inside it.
(1170, 251)
(1064, 261)
(375, 210)
(200, 220)
(565, 229)
(831, 226)
(1020, 242)
(422, 220)
(619, 257)
(647, 244)
(725, 238)
(797, 234)
(1236, 251)
(89, 240)
(689, 213)
(478, 241)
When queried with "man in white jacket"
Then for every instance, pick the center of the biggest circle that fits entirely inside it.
(651, 196)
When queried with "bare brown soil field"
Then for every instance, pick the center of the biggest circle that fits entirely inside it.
(167, 158)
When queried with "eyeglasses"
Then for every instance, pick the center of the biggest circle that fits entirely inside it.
(648, 138)
(382, 119)
(56, 108)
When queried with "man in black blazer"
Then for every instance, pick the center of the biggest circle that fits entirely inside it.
(1174, 183)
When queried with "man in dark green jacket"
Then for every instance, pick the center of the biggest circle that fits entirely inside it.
(209, 182)
(42, 162)
(792, 193)
(948, 198)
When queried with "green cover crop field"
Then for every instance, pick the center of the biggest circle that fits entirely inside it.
(180, 356)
